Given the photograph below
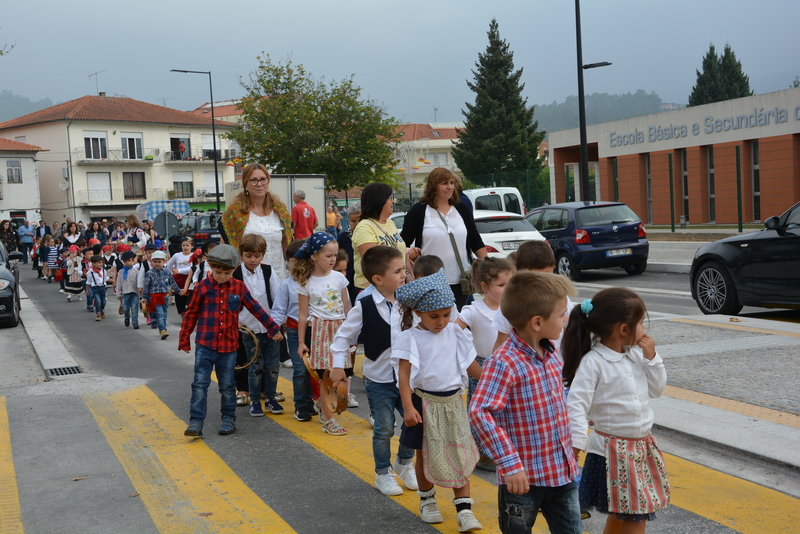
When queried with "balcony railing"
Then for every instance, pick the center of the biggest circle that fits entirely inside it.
(99, 197)
(207, 194)
(117, 156)
(195, 156)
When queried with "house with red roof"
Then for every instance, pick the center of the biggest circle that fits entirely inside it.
(105, 155)
(19, 180)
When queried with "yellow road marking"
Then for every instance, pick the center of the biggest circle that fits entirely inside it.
(766, 414)
(10, 510)
(743, 506)
(185, 486)
(736, 327)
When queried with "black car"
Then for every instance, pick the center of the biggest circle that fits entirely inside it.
(592, 235)
(201, 227)
(9, 287)
(754, 269)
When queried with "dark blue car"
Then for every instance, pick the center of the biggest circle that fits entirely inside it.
(593, 235)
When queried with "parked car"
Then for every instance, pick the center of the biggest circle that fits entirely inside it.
(754, 269)
(503, 232)
(201, 227)
(10, 304)
(496, 199)
(593, 235)
(398, 218)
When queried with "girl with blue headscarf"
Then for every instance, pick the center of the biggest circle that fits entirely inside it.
(432, 361)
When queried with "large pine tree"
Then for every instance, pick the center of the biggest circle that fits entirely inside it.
(500, 134)
(722, 78)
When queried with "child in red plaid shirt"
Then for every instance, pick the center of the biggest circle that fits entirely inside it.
(519, 413)
(217, 336)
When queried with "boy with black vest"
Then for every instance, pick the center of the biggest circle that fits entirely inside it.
(369, 323)
(262, 282)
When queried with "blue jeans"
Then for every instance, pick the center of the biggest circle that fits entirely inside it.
(558, 505)
(384, 399)
(265, 368)
(301, 382)
(130, 306)
(159, 314)
(25, 248)
(99, 296)
(224, 363)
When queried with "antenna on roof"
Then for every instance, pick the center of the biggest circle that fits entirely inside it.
(435, 109)
(164, 100)
(96, 85)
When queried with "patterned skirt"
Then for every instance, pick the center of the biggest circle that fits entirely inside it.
(322, 332)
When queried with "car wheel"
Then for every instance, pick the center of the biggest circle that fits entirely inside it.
(714, 290)
(13, 321)
(636, 268)
(566, 267)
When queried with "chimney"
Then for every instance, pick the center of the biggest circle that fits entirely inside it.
(101, 93)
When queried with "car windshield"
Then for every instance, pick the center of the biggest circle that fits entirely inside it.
(503, 224)
(206, 223)
(602, 215)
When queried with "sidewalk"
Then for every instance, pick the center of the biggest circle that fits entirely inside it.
(730, 384)
(676, 254)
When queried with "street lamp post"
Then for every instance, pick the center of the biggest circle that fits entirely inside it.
(582, 105)
(213, 127)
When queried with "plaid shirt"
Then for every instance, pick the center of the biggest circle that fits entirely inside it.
(214, 309)
(520, 416)
(159, 281)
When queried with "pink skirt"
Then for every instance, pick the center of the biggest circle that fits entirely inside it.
(322, 332)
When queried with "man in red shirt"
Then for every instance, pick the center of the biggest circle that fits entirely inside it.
(304, 218)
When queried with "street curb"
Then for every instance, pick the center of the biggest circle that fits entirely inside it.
(680, 268)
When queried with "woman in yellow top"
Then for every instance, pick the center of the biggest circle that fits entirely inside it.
(375, 227)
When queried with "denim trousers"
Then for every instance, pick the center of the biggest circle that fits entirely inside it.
(130, 306)
(265, 368)
(384, 399)
(301, 382)
(99, 296)
(25, 248)
(224, 364)
(517, 513)
(159, 314)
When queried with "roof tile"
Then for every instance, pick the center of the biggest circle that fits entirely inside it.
(8, 145)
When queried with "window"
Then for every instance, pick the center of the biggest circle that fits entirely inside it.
(440, 159)
(21, 139)
(553, 219)
(512, 203)
(94, 144)
(712, 202)
(183, 184)
(208, 146)
(502, 224)
(489, 202)
(210, 185)
(685, 178)
(180, 147)
(14, 171)
(99, 185)
(756, 181)
(133, 184)
(131, 145)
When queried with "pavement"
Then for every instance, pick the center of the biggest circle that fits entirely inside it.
(732, 382)
(675, 255)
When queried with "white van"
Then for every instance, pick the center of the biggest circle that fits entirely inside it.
(497, 199)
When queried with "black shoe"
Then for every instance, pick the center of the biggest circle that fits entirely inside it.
(136, 326)
(194, 429)
(311, 410)
(154, 325)
(301, 414)
(127, 321)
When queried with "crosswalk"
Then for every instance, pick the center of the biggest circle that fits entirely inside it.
(185, 486)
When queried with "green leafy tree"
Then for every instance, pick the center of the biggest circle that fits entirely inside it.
(722, 79)
(795, 82)
(500, 133)
(295, 124)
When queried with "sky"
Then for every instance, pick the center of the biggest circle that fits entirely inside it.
(410, 56)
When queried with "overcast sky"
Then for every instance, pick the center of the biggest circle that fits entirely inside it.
(412, 56)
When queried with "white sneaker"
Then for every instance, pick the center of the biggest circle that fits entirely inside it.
(351, 401)
(60, 290)
(387, 484)
(287, 364)
(429, 511)
(371, 421)
(467, 522)
(80, 298)
(407, 474)
(69, 298)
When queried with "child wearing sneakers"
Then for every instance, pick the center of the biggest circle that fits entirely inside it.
(519, 412)
(96, 278)
(214, 310)
(156, 289)
(262, 282)
(369, 323)
(127, 289)
(144, 267)
(74, 284)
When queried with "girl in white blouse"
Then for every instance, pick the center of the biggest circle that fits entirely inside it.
(612, 370)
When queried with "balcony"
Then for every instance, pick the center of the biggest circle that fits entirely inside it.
(198, 195)
(116, 197)
(117, 156)
(193, 157)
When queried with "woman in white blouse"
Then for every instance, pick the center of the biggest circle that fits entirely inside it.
(72, 234)
(135, 234)
(423, 226)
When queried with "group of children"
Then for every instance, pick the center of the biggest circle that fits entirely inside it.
(510, 349)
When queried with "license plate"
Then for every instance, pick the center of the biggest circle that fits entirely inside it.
(511, 245)
(618, 252)
(215, 236)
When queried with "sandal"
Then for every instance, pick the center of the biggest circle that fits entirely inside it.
(333, 428)
(242, 400)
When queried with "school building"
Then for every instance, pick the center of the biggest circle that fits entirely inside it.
(700, 162)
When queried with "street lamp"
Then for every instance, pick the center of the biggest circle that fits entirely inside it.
(213, 126)
(582, 104)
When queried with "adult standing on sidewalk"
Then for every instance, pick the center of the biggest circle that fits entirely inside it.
(8, 236)
(304, 217)
(43, 229)
(25, 240)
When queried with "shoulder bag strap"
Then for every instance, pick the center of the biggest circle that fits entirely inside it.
(452, 241)
(388, 237)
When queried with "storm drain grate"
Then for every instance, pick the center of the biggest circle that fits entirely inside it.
(64, 371)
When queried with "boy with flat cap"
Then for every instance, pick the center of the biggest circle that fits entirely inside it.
(214, 310)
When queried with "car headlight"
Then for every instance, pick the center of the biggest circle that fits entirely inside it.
(4, 284)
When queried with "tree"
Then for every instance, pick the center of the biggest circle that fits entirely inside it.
(795, 82)
(722, 78)
(500, 134)
(295, 124)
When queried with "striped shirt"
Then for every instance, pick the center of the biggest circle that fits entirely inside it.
(520, 416)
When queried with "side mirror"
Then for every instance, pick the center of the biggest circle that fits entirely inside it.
(773, 223)
(15, 256)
